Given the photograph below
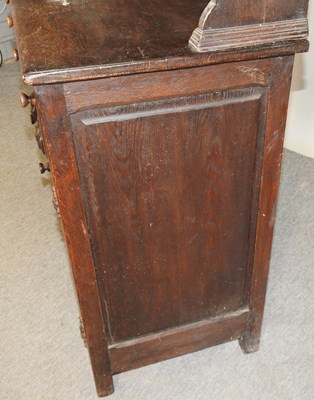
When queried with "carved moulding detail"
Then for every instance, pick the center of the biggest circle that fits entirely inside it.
(206, 37)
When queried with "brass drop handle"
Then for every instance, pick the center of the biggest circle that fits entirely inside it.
(43, 168)
(26, 100)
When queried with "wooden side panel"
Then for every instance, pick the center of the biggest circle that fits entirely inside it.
(167, 186)
(168, 191)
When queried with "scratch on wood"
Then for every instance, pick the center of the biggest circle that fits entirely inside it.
(273, 142)
(83, 228)
(253, 72)
(141, 51)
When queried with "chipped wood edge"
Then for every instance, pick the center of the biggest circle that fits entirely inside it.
(238, 37)
(206, 13)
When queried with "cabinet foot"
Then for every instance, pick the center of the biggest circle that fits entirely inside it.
(104, 386)
(249, 344)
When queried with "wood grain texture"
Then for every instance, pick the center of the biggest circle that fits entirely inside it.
(169, 230)
(240, 24)
(177, 174)
(173, 168)
(59, 35)
(272, 155)
(248, 36)
(69, 41)
(226, 13)
(166, 163)
(177, 341)
(111, 130)
(166, 84)
(56, 131)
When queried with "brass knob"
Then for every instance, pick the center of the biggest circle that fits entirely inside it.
(16, 56)
(10, 21)
(26, 100)
(43, 168)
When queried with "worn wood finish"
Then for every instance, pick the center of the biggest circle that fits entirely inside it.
(165, 163)
(272, 155)
(257, 35)
(226, 14)
(160, 64)
(73, 34)
(174, 342)
(170, 230)
(142, 198)
(58, 144)
(110, 131)
(166, 84)
(240, 24)
(63, 49)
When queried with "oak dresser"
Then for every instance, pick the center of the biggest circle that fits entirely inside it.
(163, 125)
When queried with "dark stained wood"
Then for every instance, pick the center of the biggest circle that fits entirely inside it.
(69, 42)
(166, 84)
(170, 230)
(101, 32)
(167, 225)
(165, 163)
(226, 13)
(248, 36)
(56, 131)
(240, 24)
(177, 341)
(272, 155)
(169, 63)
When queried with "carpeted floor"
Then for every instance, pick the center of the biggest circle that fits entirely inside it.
(41, 353)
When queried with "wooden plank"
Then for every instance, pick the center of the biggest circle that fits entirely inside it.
(156, 86)
(177, 341)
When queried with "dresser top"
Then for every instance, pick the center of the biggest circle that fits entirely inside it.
(55, 35)
(66, 40)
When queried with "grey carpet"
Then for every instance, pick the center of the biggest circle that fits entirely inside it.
(41, 353)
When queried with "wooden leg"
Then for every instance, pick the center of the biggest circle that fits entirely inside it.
(55, 123)
(104, 386)
(249, 343)
(273, 143)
